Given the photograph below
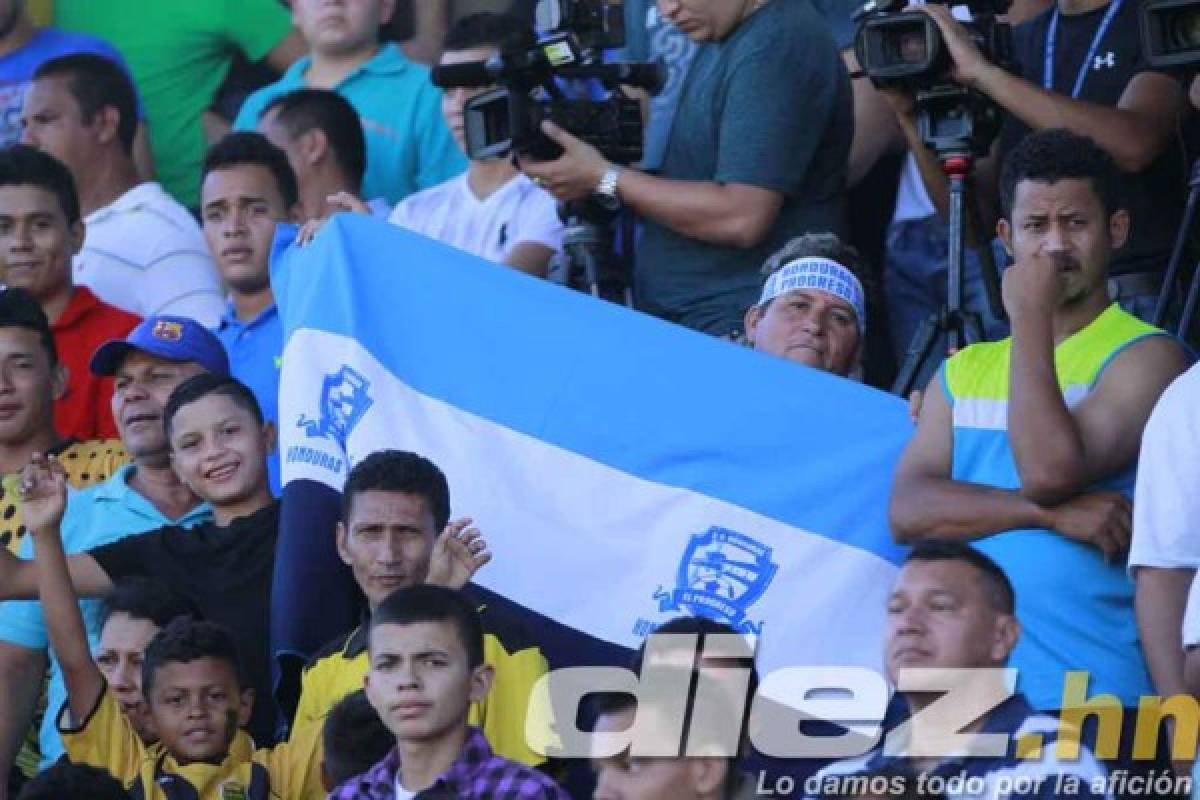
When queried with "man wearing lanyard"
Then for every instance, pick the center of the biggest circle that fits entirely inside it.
(1079, 66)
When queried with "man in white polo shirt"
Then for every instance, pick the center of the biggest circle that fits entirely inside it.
(143, 251)
(491, 210)
(813, 307)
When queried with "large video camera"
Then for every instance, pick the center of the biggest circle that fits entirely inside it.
(1171, 33)
(563, 78)
(904, 49)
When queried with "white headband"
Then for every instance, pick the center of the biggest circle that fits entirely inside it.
(814, 272)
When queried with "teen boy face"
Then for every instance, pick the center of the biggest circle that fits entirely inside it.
(219, 450)
(36, 241)
(29, 385)
(241, 205)
(419, 680)
(123, 641)
(197, 707)
(339, 27)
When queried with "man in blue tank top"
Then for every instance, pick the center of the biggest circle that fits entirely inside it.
(1027, 446)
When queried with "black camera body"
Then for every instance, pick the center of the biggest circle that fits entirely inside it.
(1171, 33)
(905, 49)
(503, 121)
(563, 78)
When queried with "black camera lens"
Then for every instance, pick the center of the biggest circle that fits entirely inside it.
(911, 47)
(1181, 30)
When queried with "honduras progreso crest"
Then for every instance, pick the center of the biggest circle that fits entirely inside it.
(345, 399)
(721, 575)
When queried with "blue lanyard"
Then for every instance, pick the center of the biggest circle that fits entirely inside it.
(1051, 35)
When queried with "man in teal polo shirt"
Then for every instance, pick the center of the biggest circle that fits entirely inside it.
(157, 356)
(408, 145)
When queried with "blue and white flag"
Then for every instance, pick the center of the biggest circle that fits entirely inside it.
(624, 470)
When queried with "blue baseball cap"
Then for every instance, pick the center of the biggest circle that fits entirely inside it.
(171, 338)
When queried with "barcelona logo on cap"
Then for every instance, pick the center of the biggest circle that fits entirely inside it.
(168, 331)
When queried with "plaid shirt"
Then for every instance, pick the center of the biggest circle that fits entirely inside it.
(476, 773)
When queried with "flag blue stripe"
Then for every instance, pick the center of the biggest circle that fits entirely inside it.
(624, 389)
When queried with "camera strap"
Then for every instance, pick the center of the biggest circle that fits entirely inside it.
(1052, 35)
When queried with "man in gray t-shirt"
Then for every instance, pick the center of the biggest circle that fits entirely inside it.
(756, 154)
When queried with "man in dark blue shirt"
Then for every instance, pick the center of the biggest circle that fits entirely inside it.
(756, 154)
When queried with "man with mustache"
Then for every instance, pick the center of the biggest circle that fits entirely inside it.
(1027, 447)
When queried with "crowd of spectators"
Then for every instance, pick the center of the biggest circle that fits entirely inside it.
(1048, 494)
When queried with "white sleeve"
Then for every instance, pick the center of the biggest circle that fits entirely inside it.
(1166, 502)
(537, 221)
(1191, 617)
(401, 214)
(183, 282)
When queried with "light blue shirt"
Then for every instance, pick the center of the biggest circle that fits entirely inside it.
(409, 146)
(95, 516)
(255, 351)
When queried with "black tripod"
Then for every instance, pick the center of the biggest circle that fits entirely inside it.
(1172, 274)
(958, 124)
(958, 326)
(588, 262)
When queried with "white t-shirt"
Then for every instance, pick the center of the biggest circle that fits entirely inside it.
(912, 198)
(400, 792)
(518, 212)
(144, 253)
(1166, 503)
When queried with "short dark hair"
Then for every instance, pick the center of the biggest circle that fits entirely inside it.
(145, 598)
(20, 309)
(247, 148)
(399, 471)
(303, 110)
(428, 603)
(204, 384)
(489, 29)
(66, 781)
(823, 245)
(185, 640)
(22, 165)
(1054, 155)
(97, 83)
(354, 738)
(999, 588)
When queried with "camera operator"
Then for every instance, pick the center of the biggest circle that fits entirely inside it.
(756, 154)
(1079, 66)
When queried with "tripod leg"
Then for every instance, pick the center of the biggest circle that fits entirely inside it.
(920, 351)
(1189, 307)
(1181, 239)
